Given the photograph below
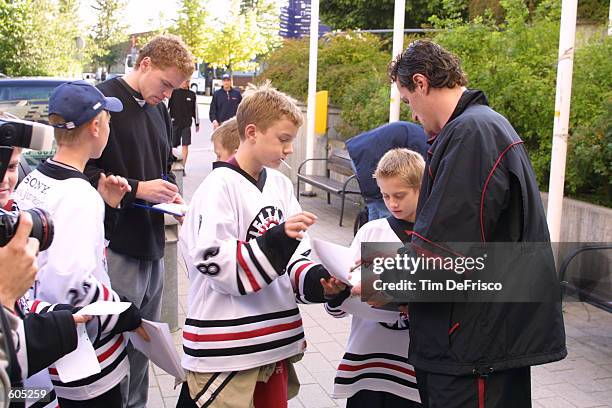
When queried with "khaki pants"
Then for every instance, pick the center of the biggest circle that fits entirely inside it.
(235, 389)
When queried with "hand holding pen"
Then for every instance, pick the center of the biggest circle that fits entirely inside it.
(157, 191)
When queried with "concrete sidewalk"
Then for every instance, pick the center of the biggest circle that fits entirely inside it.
(583, 379)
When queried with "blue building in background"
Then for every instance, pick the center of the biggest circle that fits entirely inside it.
(295, 20)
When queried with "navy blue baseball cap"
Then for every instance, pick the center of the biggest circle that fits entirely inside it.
(225, 76)
(78, 102)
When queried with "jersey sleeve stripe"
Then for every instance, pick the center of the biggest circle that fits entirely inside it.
(245, 268)
(296, 281)
(258, 266)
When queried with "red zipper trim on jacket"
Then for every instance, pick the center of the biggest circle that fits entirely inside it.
(481, 392)
(453, 328)
(484, 190)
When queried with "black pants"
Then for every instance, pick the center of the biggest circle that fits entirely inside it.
(379, 399)
(110, 399)
(503, 389)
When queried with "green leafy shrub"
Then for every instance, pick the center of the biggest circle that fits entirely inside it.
(589, 171)
(514, 63)
(343, 60)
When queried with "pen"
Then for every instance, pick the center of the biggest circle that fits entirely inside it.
(147, 207)
(151, 208)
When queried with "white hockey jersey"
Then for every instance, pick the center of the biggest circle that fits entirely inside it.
(73, 269)
(242, 299)
(376, 355)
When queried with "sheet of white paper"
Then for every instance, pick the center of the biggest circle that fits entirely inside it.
(337, 259)
(172, 208)
(356, 307)
(160, 350)
(103, 308)
(82, 362)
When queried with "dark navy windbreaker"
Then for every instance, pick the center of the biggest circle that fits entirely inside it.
(479, 186)
(367, 148)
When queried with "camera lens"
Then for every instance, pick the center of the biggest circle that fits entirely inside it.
(42, 227)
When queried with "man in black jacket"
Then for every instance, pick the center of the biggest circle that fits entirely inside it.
(183, 107)
(224, 103)
(478, 187)
(138, 149)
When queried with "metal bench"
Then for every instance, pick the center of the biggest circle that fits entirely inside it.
(337, 162)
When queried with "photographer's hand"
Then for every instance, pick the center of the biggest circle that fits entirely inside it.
(112, 189)
(18, 264)
(156, 191)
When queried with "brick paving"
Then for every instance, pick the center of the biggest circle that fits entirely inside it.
(583, 379)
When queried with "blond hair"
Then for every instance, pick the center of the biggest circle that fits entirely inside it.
(166, 51)
(404, 163)
(263, 105)
(65, 136)
(227, 135)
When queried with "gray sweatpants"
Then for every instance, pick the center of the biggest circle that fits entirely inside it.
(142, 283)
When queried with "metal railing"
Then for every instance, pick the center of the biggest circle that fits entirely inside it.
(569, 288)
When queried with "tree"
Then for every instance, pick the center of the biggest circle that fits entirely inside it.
(268, 19)
(38, 37)
(191, 26)
(58, 34)
(367, 14)
(15, 23)
(109, 32)
(235, 40)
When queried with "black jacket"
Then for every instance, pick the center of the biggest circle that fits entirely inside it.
(138, 150)
(224, 105)
(183, 107)
(479, 186)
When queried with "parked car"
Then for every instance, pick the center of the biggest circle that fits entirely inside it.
(28, 98)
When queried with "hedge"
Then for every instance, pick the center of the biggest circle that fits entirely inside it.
(514, 63)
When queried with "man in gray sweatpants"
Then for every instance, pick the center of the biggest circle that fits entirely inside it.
(138, 150)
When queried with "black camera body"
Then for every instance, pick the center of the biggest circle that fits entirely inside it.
(19, 133)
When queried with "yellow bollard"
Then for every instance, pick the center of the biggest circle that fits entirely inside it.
(321, 112)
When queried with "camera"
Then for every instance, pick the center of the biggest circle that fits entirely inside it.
(20, 133)
(42, 227)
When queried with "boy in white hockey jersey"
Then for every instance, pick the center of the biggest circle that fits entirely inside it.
(45, 337)
(243, 325)
(73, 268)
(374, 372)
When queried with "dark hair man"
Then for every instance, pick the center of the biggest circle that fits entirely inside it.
(478, 186)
